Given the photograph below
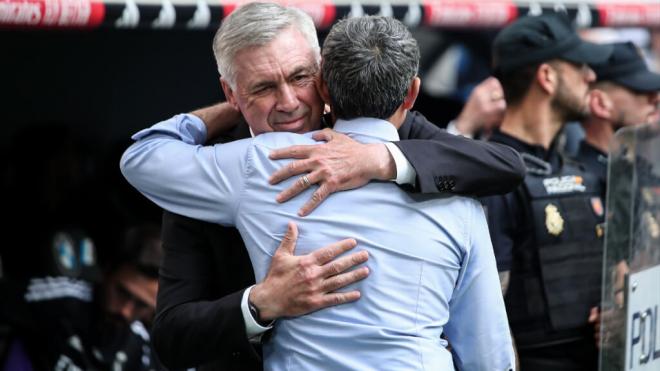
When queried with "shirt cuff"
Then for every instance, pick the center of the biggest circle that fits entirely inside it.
(405, 172)
(452, 129)
(253, 330)
(186, 127)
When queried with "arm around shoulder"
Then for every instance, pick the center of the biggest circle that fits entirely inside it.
(197, 320)
(454, 164)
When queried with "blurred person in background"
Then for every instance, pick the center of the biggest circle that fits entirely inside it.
(65, 314)
(626, 93)
(483, 112)
(128, 302)
(48, 299)
(539, 229)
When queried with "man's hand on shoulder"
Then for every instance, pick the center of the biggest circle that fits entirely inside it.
(296, 285)
(338, 165)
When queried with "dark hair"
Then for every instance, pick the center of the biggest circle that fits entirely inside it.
(368, 64)
(141, 247)
(516, 84)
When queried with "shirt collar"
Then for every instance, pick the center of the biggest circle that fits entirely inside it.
(364, 126)
(368, 126)
(550, 155)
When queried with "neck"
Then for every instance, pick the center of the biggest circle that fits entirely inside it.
(398, 117)
(533, 121)
(598, 133)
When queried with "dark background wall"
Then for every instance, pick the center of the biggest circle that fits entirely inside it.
(69, 101)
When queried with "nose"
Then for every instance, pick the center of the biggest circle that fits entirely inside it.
(287, 100)
(654, 98)
(589, 74)
(127, 310)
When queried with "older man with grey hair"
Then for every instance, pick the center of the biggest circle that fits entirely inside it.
(432, 265)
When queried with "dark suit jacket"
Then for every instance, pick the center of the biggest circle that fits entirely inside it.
(206, 268)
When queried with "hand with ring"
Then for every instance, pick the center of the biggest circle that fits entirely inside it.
(305, 181)
(339, 164)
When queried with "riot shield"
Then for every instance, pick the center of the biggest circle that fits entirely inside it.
(630, 323)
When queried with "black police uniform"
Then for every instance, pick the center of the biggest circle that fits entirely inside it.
(595, 162)
(548, 235)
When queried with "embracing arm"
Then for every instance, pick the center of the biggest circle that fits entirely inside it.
(428, 157)
(200, 316)
(219, 118)
(451, 163)
(168, 164)
(204, 273)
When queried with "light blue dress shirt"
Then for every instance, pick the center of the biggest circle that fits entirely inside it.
(431, 260)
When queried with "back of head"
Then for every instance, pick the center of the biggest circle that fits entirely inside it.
(257, 24)
(368, 64)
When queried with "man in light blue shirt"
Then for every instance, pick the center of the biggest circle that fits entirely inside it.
(431, 261)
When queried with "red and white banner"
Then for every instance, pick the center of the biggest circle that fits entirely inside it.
(323, 12)
(52, 13)
(469, 13)
(629, 15)
(208, 14)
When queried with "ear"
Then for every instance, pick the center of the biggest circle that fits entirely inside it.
(546, 77)
(229, 93)
(600, 104)
(413, 92)
(322, 88)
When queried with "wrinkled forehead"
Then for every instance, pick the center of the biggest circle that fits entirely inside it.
(282, 57)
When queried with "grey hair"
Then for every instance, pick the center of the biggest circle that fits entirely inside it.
(368, 64)
(257, 24)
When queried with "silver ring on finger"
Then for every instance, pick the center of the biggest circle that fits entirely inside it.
(306, 181)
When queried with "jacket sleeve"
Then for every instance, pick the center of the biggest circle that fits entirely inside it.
(454, 164)
(198, 315)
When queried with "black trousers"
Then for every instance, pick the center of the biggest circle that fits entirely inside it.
(579, 355)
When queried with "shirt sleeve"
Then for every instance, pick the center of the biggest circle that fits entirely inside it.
(405, 172)
(478, 329)
(253, 329)
(168, 164)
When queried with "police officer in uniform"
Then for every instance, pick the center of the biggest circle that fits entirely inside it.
(626, 94)
(547, 233)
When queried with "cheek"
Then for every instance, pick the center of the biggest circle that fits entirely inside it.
(258, 108)
(309, 95)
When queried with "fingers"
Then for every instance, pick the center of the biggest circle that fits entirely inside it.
(594, 315)
(297, 187)
(299, 152)
(324, 135)
(291, 169)
(288, 244)
(341, 265)
(337, 298)
(317, 198)
(342, 280)
(327, 253)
